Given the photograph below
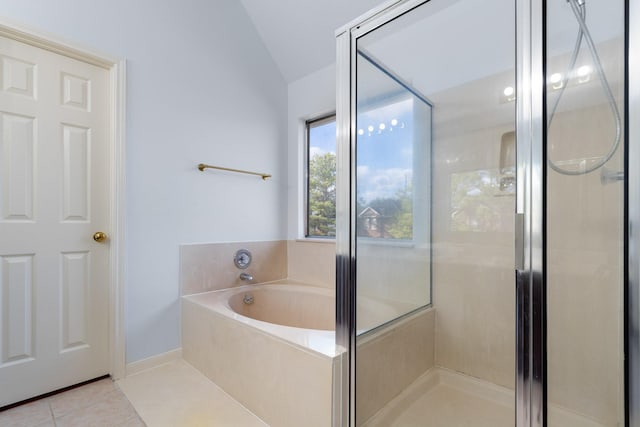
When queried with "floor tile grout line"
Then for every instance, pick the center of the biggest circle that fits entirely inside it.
(225, 392)
(97, 402)
(48, 405)
(53, 417)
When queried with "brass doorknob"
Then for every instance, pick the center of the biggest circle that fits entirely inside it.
(99, 236)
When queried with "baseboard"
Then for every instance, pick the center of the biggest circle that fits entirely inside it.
(153, 362)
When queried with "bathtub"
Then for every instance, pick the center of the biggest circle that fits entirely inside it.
(276, 356)
(302, 315)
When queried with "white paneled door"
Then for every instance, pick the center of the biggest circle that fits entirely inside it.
(54, 195)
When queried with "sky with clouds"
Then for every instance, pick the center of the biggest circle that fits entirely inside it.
(385, 148)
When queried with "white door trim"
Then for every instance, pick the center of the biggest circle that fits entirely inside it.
(117, 133)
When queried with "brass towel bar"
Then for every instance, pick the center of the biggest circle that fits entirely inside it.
(265, 176)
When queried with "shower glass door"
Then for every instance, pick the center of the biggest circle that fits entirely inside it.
(434, 170)
(585, 212)
(467, 128)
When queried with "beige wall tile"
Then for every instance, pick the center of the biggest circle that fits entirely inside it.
(312, 262)
(475, 316)
(473, 288)
(389, 360)
(281, 383)
(473, 269)
(209, 266)
(394, 273)
(584, 280)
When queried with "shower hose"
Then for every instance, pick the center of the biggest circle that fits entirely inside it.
(580, 12)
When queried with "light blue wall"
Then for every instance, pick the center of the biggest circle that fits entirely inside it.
(201, 88)
(309, 97)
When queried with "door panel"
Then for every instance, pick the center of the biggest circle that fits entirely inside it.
(54, 194)
(434, 216)
(18, 138)
(17, 325)
(585, 215)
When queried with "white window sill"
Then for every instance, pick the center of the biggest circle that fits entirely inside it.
(316, 240)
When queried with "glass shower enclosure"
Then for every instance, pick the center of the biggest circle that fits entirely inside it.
(486, 273)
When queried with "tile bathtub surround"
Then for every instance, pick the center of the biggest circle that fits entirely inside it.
(281, 383)
(209, 266)
(312, 262)
(100, 403)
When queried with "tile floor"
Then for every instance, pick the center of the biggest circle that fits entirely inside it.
(171, 395)
(98, 404)
(176, 395)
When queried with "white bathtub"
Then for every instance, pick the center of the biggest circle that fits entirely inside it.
(300, 314)
(287, 305)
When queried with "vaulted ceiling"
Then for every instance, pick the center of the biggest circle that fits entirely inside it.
(300, 34)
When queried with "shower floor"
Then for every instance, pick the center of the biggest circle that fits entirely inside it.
(443, 398)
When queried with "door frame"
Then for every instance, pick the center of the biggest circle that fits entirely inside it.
(116, 140)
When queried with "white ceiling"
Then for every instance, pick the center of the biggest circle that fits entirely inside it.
(300, 34)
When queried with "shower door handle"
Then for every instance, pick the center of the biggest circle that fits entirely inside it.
(519, 241)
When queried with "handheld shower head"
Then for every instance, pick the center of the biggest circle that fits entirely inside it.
(579, 10)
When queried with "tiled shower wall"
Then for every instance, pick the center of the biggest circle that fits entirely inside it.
(209, 266)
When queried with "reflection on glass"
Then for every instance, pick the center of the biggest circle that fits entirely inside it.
(435, 203)
(585, 212)
(392, 195)
(385, 170)
(474, 206)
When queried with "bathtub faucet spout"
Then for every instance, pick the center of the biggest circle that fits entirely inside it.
(246, 276)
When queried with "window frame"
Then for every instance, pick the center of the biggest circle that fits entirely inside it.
(308, 125)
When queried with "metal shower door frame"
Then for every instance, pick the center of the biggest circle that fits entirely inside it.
(530, 224)
(531, 208)
(632, 210)
(530, 220)
(529, 247)
(346, 51)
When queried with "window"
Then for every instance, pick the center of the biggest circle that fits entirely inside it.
(321, 177)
